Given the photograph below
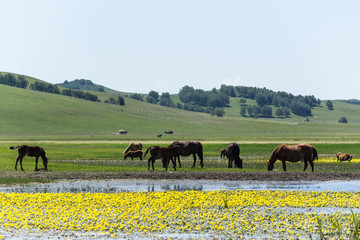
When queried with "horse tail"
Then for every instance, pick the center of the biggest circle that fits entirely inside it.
(315, 155)
(200, 152)
(14, 147)
(147, 151)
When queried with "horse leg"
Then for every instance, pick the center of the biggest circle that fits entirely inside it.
(17, 160)
(312, 165)
(284, 165)
(305, 164)
(149, 164)
(194, 156)
(230, 162)
(36, 163)
(201, 161)
(21, 159)
(178, 157)
(173, 160)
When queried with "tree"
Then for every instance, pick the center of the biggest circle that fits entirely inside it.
(329, 105)
(343, 120)
(165, 100)
(121, 100)
(280, 112)
(243, 111)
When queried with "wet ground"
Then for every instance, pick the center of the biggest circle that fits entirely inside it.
(189, 175)
(145, 185)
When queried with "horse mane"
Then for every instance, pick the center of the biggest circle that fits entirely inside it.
(272, 158)
(127, 149)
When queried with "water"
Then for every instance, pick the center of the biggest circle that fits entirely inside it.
(114, 186)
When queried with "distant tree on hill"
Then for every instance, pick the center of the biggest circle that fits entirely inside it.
(343, 120)
(165, 100)
(44, 87)
(121, 100)
(137, 96)
(329, 105)
(82, 84)
(153, 97)
(12, 80)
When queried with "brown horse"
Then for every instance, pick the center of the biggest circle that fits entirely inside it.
(164, 153)
(31, 152)
(133, 147)
(343, 157)
(133, 154)
(187, 148)
(293, 153)
(232, 152)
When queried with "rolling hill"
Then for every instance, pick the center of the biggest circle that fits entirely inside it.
(30, 115)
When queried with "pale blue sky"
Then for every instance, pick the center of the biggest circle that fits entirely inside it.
(307, 47)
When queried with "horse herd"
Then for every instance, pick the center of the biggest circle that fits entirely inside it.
(291, 153)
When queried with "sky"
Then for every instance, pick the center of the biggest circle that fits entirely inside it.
(307, 47)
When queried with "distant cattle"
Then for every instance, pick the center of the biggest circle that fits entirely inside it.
(121, 132)
(343, 157)
(134, 154)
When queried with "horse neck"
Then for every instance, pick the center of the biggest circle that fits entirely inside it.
(273, 158)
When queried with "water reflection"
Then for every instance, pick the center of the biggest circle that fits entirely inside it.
(114, 186)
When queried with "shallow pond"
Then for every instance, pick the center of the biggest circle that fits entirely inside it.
(113, 186)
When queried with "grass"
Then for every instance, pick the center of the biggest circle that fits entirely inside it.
(29, 115)
(108, 157)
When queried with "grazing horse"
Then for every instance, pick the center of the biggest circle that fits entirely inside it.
(232, 152)
(165, 153)
(133, 154)
(293, 153)
(133, 147)
(343, 157)
(31, 152)
(189, 147)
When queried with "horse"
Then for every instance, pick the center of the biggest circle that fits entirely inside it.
(187, 148)
(165, 153)
(133, 147)
(343, 157)
(133, 154)
(35, 151)
(293, 153)
(232, 152)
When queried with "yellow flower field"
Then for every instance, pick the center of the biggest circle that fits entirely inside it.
(224, 214)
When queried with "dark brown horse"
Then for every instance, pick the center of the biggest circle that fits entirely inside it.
(187, 148)
(164, 153)
(133, 147)
(31, 152)
(293, 153)
(133, 154)
(232, 152)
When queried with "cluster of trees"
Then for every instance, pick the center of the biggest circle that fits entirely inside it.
(80, 94)
(285, 102)
(119, 101)
(11, 80)
(82, 84)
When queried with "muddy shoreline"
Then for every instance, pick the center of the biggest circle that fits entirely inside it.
(191, 175)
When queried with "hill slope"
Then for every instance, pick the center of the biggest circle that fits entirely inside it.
(27, 115)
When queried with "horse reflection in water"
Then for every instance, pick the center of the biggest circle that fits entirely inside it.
(293, 153)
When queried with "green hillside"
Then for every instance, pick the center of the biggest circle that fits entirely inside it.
(30, 115)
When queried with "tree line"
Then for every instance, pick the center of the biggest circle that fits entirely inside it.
(215, 100)
(21, 82)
